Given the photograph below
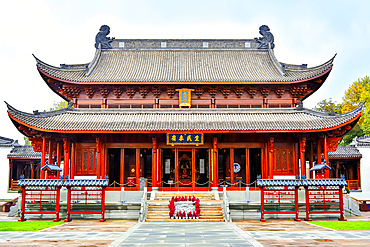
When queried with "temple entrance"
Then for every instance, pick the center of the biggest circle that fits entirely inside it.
(184, 168)
(254, 164)
(114, 167)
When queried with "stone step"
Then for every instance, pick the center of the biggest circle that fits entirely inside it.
(184, 220)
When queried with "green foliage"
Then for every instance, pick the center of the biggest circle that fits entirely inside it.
(344, 225)
(26, 141)
(355, 131)
(328, 105)
(59, 105)
(26, 226)
(357, 93)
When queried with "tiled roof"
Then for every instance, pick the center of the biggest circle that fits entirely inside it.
(162, 120)
(344, 151)
(362, 141)
(41, 182)
(319, 167)
(51, 168)
(278, 182)
(7, 142)
(188, 64)
(86, 182)
(303, 182)
(324, 182)
(23, 152)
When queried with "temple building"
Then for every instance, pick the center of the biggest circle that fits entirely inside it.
(184, 114)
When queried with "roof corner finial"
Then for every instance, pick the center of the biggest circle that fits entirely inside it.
(267, 41)
(102, 39)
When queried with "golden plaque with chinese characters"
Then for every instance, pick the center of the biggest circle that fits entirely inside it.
(184, 139)
(184, 97)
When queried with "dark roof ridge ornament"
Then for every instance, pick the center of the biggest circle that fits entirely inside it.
(102, 39)
(267, 41)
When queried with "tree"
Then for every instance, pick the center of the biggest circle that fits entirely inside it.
(26, 141)
(355, 131)
(357, 93)
(59, 105)
(328, 105)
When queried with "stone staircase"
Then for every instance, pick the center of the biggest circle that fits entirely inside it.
(210, 207)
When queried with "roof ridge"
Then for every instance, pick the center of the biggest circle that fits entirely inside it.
(41, 114)
(277, 64)
(39, 62)
(94, 62)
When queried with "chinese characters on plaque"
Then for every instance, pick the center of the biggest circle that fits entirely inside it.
(185, 139)
(185, 97)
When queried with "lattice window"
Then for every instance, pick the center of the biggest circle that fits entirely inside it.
(283, 161)
(86, 161)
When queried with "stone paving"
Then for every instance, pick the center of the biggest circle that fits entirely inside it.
(116, 233)
(185, 234)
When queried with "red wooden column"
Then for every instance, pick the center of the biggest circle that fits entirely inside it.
(215, 163)
(66, 157)
(309, 175)
(326, 156)
(122, 170)
(341, 217)
(98, 161)
(262, 204)
(137, 166)
(307, 195)
(319, 151)
(247, 168)
(50, 160)
(103, 171)
(193, 168)
(232, 175)
(270, 170)
(302, 150)
(154, 164)
(31, 171)
(73, 160)
(358, 175)
(59, 157)
(43, 153)
(176, 167)
(23, 207)
(69, 200)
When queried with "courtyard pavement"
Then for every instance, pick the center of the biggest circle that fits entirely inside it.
(116, 233)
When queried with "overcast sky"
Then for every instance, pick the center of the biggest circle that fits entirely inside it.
(60, 32)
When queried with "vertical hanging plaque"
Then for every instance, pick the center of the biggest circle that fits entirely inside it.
(185, 97)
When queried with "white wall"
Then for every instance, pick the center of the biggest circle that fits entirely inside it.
(365, 168)
(4, 175)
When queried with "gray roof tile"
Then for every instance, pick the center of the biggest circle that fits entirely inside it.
(324, 182)
(162, 120)
(345, 151)
(278, 182)
(41, 182)
(24, 152)
(361, 141)
(86, 182)
(193, 65)
(7, 142)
